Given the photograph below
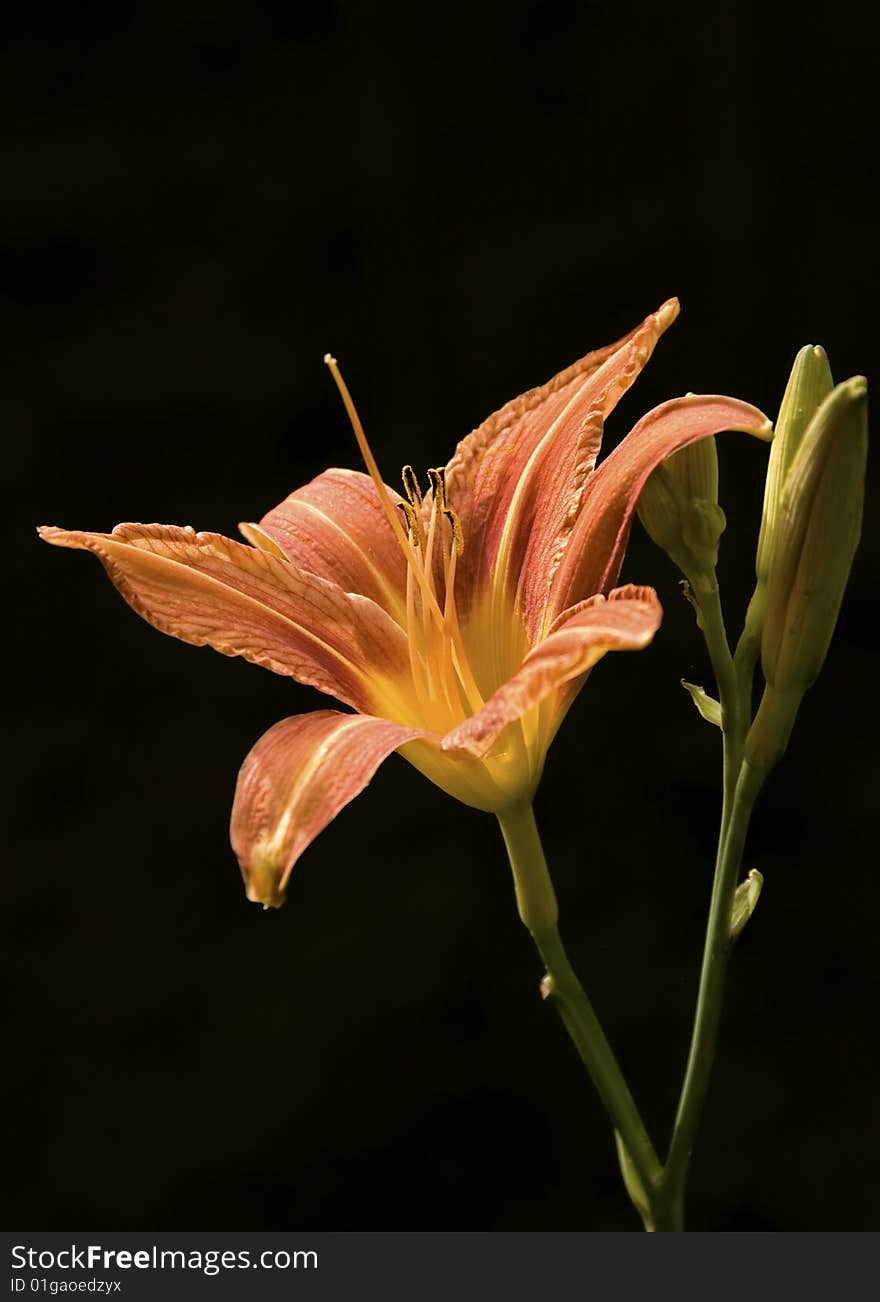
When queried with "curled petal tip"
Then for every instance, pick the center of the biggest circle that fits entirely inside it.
(262, 886)
(297, 778)
(258, 538)
(667, 313)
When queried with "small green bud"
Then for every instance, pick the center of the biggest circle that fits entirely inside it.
(703, 524)
(679, 507)
(659, 509)
(695, 470)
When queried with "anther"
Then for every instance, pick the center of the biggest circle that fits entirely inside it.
(457, 531)
(438, 487)
(411, 486)
(413, 522)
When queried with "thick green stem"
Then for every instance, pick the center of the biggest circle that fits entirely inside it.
(535, 896)
(537, 907)
(669, 1211)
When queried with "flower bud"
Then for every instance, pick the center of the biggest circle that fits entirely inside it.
(820, 519)
(679, 507)
(815, 538)
(702, 526)
(695, 470)
(808, 385)
(659, 509)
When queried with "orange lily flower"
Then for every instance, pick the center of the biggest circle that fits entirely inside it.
(459, 624)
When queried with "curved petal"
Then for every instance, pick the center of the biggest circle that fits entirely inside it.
(595, 550)
(294, 781)
(624, 621)
(335, 527)
(516, 482)
(205, 589)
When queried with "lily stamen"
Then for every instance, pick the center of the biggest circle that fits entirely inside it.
(414, 524)
(437, 654)
(411, 486)
(370, 461)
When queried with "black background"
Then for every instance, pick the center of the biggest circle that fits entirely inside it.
(200, 199)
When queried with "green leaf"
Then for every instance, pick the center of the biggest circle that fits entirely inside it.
(633, 1184)
(744, 901)
(706, 704)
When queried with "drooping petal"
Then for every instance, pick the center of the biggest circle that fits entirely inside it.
(295, 780)
(335, 527)
(625, 621)
(594, 553)
(516, 482)
(205, 589)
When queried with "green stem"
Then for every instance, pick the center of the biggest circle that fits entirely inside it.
(740, 789)
(537, 908)
(658, 1193)
(711, 621)
(669, 1211)
(711, 992)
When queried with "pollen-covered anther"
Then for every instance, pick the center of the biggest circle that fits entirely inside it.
(457, 531)
(437, 477)
(438, 487)
(411, 486)
(413, 523)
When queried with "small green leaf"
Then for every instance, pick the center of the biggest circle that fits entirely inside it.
(706, 704)
(744, 901)
(633, 1184)
(687, 593)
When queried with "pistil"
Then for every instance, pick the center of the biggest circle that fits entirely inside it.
(443, 682)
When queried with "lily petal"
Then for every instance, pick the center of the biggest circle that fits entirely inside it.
(295, 780)
(335, 527)
(594, 553)
(517, 481)
(624, 621)
(205, 589)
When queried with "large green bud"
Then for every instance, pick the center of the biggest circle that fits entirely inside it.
(809, 383)
(811, 541)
